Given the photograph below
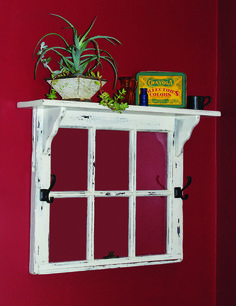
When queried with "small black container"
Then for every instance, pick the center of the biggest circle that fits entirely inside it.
(198, 102)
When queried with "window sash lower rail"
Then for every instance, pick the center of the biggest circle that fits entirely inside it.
(97, 264)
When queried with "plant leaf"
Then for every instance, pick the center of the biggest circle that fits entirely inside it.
(49, 34)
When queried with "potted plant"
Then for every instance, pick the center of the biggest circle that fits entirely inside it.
(76, 61)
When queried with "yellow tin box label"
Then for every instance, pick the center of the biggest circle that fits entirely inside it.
(163, 88)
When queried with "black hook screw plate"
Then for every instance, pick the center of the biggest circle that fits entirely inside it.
(44, 193)
(179, 192)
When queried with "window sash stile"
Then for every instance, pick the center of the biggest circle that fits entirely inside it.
(170, 187)
(91, 189)
(132, 188)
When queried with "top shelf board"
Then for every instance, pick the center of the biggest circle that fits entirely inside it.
(133, 109)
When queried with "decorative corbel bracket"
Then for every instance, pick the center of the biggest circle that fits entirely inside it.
(183, 130)
(52, 119)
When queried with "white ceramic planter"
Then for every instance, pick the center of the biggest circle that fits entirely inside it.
(76, 87)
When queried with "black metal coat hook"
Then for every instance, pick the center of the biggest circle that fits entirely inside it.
(44, 193)
(179, 192)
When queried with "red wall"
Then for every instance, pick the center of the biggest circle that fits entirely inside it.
(156, 35)
(226, 211)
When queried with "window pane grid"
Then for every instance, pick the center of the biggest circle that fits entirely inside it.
(132, 194)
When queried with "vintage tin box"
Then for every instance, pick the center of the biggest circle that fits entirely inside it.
(164, 88)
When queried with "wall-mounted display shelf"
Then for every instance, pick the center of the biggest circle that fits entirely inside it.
(170, 127)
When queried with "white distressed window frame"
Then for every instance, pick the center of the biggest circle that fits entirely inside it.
(48, 117)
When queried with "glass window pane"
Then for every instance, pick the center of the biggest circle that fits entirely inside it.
(112, 160)
(68, 221)
(151, 225)
(111, 227)
(69, 159)
(151, 161)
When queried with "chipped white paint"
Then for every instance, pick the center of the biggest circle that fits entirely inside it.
(48, 117)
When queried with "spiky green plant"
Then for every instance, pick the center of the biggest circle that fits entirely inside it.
(82, 57)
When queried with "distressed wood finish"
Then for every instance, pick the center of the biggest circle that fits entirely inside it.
(48, 117)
